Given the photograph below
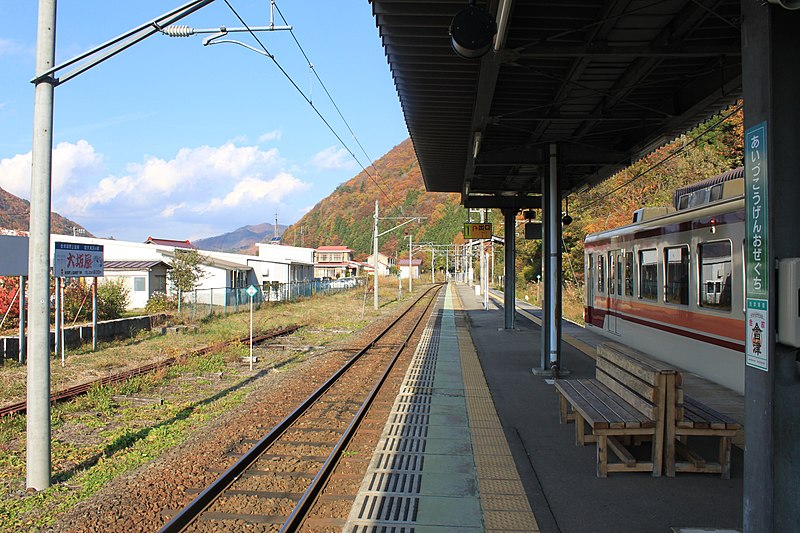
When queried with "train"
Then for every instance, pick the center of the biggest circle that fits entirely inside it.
(672, 283)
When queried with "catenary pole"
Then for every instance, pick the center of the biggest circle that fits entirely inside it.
(410, 272)
(38, 417)
(375, 259)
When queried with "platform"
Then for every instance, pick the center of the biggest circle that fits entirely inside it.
(474, 444)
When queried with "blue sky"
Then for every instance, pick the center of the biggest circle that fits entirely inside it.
(172, 139)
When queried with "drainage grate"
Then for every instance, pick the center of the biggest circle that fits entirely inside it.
(387, 501)
(382, 529)
(395, 482)
(389, 508)
(397, 462)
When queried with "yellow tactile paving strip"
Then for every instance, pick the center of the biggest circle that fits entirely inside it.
(503, 501)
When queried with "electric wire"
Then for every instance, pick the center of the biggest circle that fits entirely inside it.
(333, 102)
(667, 158)
(306, 98)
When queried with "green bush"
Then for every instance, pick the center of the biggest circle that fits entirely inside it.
(159, 302)
(113, 296)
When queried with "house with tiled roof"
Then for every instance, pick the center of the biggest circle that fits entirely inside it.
(385, 264)
(170, 242)
(334, 262)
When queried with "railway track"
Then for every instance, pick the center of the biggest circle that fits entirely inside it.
(71, 392)
(274, 484)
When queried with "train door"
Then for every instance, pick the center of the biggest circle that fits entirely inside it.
(589, 304)
(614, 289)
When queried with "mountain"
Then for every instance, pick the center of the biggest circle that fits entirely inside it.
(240, 240)
(15, 215)
(395, 180)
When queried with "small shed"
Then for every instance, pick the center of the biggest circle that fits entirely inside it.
(143, 278)
(402, 264)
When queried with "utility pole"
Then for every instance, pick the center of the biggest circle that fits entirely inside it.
(375, 258)
(38, 465)
(410, 272)
(433, 265)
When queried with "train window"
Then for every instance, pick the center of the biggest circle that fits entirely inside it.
(619, 273)
(611, 267)
(676, 260)
(716, 193)
(600, 271)
(628, 273)
(715, 274)
(648, 274)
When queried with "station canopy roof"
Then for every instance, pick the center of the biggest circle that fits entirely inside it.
(607, 81)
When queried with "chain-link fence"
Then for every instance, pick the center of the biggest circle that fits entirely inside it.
(202, 303)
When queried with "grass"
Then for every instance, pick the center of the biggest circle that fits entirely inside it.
(96, 440)
(571, 299)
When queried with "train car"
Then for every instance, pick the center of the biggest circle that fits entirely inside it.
(671, 284)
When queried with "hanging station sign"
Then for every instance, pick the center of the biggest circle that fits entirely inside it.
(477, 230)
(758, 330)
(74, 260)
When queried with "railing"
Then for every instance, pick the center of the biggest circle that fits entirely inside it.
(202, 303)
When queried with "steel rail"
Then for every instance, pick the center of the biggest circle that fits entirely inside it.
(203, 500)
(71, 392)
(303, 506)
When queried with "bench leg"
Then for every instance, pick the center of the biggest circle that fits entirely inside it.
(580, 438)
(562, 413)
(725, 457)
(602, 456)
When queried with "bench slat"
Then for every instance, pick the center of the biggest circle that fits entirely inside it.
(599, 407)
(610, 352)
(616, 405)
(642, 388)
(578, 401)
(647, 408)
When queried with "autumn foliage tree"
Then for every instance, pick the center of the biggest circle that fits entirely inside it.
(9, 301)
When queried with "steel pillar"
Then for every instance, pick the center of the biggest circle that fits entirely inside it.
(509, 270)
(551, 258)
(771, 82)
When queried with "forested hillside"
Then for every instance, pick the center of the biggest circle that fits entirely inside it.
(15, 213)
(346, 216)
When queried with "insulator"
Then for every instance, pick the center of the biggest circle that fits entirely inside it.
(178, 31)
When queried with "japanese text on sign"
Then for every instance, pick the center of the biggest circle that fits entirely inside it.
(757, 248)
(477, 230)
(756, 173)
(74, 260)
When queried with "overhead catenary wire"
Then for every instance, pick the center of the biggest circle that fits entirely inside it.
(324, 88)
(308, 100)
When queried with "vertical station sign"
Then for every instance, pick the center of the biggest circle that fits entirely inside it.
(73, 260)
(757, 266)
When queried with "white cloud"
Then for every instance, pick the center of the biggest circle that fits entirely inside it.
(72, 164)
(15, 174)
(210, 186)
(252, 190)
(333, 159)
(274, 135)
(170, 210)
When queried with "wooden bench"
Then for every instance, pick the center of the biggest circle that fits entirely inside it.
(693, 418)
(627, 399)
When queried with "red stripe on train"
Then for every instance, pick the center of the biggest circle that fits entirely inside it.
(596, 317)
